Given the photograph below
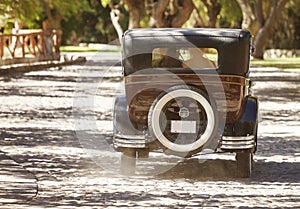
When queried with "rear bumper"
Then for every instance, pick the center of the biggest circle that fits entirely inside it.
(227, 142)
(129, 141)
(237, 142)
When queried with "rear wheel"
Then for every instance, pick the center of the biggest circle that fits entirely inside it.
(128, 162)
(244, 164)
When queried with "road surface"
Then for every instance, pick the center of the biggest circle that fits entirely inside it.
(56, 128)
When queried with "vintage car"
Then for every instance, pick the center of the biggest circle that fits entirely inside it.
(186, 90)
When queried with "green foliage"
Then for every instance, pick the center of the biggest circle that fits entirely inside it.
(293, 15)
(77, 49)
(83, 49)
(26, 10)
(89, 20)
(66, 8)
(105, 3)
(281, 63)
(92, 24)
(230, 15)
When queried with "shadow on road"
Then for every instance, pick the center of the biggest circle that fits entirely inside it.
(59, 153)
(225, 170)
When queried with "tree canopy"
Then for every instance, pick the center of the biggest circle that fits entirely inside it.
(274, 23)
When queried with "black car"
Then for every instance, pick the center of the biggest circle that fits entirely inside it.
(186, 90)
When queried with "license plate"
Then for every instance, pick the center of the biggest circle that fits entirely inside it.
(181, 126)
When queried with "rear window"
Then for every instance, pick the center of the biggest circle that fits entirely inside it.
(184, 58)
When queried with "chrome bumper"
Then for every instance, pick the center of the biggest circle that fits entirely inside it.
(237, 142)
(129, 141)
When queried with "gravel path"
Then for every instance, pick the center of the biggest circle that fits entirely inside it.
(45, 163)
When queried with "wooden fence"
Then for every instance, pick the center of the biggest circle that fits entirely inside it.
(29, 46)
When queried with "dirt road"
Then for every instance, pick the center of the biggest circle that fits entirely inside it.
(54, 155)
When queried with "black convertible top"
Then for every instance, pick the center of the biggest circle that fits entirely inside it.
(233, 46)
(203, 32)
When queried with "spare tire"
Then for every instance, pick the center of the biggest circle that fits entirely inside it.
(183, 119)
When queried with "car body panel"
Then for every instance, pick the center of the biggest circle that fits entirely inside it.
(227, 85)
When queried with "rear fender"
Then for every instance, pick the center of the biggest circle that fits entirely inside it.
(247, 125)
(250, 118)
(122, 123)
(251, 110)
(243, 133)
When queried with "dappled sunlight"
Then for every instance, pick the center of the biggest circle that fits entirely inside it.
(49, 166)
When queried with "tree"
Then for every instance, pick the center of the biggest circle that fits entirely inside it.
(91, 24)
(25, 10)
(57, 10)
(169, 13)
(116, 16)
(163, 13)
(215, 13)
(136, 9)
(230, 15)
(259, 16)
(213, 9)
(98, 20)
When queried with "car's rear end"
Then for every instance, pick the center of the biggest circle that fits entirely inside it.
(184, 109)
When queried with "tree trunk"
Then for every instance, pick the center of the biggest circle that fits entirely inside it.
(249, 18)
(115, 15)
(157, 12)
(199, 22)
(213, 10)
(53, 16)
(259, 21)
(264, 32)
(136, 10)
(169, 13)
(258, 8)
(183, 10)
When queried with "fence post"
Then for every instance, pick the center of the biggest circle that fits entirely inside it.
(1, 46)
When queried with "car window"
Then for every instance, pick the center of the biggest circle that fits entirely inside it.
(184, 57)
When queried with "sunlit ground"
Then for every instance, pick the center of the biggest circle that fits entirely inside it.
(48, 162)
(288, 64)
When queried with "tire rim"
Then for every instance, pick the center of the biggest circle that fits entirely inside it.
(199, 142)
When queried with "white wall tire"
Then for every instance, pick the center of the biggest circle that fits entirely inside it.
(182, 92)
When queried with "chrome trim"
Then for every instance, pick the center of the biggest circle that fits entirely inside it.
(129, 141)
(237, 142)
(247, 82)
(131, 137)
(247, 87)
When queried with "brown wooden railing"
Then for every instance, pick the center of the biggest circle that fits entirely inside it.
(29, 46)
